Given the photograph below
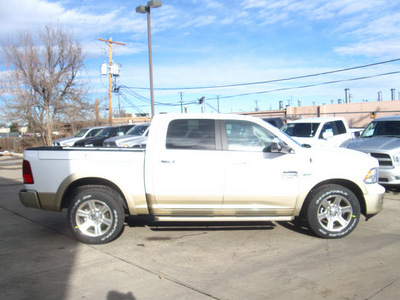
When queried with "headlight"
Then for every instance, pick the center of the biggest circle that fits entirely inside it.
(372, 176)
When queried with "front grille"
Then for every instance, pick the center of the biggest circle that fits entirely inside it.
(384, 159)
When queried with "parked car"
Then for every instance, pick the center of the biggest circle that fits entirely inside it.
(137, 133)
(381, 139)
(83, 133)
(102, 135)
(324, 131)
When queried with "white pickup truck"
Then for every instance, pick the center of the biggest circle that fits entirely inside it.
(321, 131)
(204, 168)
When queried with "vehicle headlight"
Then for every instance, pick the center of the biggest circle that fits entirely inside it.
(372, 176)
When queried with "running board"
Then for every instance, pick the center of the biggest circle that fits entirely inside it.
(222, 219)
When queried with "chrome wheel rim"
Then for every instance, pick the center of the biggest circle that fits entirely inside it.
(335, 213)
(94, 218)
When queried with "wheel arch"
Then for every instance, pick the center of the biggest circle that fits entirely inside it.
(343, 182)
(88, 182)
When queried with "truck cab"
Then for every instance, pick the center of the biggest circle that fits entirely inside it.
(324, 131)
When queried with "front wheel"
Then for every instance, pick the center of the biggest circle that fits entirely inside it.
(333, 211)
(96, 215)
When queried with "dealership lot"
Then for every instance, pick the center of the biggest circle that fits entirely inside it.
(41, 260)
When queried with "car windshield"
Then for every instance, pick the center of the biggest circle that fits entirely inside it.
(81, 132)
(300, 129)
(105, 132)
(382, 128)
(137, 130)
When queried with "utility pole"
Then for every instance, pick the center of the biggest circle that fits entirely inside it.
(97, 112)
(110, 42)
(181, 103)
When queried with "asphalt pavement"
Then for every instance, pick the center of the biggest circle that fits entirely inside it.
(40, 259)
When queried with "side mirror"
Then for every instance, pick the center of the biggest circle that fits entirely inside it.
(278, 145)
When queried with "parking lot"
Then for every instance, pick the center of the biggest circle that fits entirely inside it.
(40, 259)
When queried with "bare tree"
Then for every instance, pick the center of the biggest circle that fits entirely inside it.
(41, 85)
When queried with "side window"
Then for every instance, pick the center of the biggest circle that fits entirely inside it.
(93, 132)
(191, 134)
(328, 127)
(340, 127)
(335, 127)
(247, 136)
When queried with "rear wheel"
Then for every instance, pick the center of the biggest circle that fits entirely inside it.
(333, 211)
(96, 215)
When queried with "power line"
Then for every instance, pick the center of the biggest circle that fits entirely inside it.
(273, 80)
(309, 85)
(268, 91)
(130, 102)
(129, 90)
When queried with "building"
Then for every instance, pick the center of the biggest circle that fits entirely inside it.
(356, 114)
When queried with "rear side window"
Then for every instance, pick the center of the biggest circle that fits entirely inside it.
(197, 134)
(340, 127)
(336, 127)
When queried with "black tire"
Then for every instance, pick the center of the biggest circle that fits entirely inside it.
(96, 215)
(333, 211)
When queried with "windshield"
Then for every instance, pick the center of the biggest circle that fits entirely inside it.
(382, 128)
(105, 132)
(300, 129)
(80, 133)
(137, 130)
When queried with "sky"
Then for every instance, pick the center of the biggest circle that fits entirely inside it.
(233, 53)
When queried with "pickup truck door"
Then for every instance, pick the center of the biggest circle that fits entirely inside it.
(257, 181)
(186, 173)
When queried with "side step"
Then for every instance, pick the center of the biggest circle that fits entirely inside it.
(222, 219)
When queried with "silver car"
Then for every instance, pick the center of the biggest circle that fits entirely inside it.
(381, 139)
(83, 133)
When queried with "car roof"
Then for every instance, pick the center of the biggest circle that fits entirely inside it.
(388, 118)
(317, 120)
(94, 127)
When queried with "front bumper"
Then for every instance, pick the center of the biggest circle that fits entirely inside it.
(374, 199)
(389, 176)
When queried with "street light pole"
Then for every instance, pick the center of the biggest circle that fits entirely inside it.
(146, 9)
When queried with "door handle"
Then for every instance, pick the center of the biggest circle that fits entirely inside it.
(165, 161)
(240, 163)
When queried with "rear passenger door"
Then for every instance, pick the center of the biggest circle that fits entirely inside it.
(187, 172)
